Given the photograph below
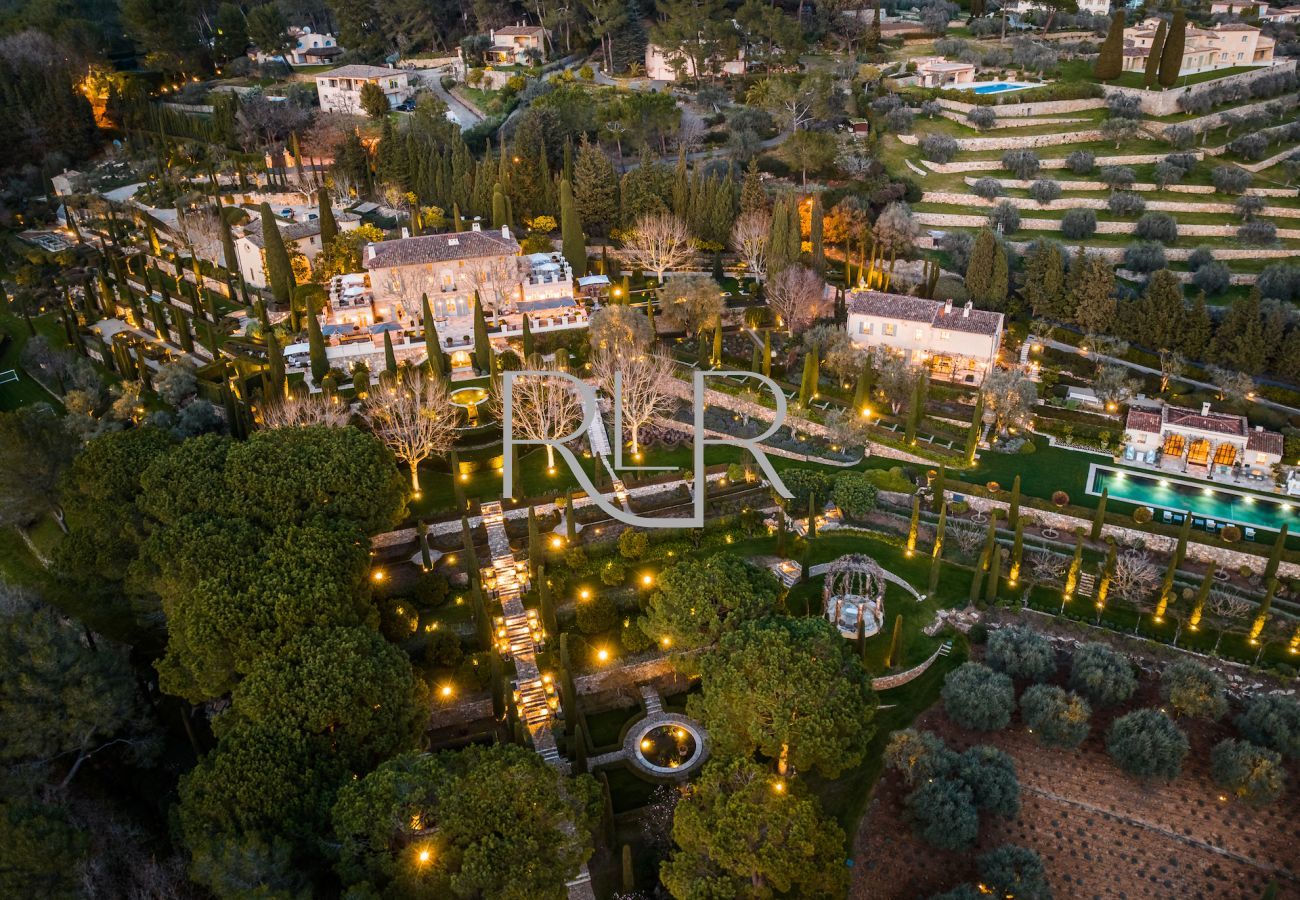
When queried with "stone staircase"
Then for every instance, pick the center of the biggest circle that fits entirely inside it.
(1087, 584)
(654, 704)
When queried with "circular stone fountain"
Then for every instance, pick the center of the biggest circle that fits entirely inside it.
(666, 745)
(468, 399)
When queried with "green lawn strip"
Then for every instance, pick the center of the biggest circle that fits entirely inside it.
(1103, 215)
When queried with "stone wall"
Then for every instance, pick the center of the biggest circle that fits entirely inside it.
(1015, 110)
(1186, 277)
(1164, 102)
(954, 220)
(1064, 203)
(994, 165)
(1022, 142)
(886, 682)
(1215, 119)
(1024, 122)
(1140, 187)
(1177, 253)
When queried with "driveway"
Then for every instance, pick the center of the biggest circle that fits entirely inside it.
(457, 111)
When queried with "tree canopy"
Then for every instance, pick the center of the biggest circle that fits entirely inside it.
(697, 601)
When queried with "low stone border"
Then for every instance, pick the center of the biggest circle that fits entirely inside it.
(1062, 204)
(631, 752)
(957, 220)
(1140, 187)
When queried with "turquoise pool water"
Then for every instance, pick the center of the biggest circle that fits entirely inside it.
(999, 88)
(1205, 501)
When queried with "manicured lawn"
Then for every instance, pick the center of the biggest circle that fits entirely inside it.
(25, 391)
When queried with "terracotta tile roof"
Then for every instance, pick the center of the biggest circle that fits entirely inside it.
(432, 248)
(1142, 420)
(918, 309)
(518, 30)
(290, 231)
(1265, 442)
(1218, 423)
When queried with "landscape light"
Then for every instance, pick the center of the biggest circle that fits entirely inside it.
(602, 654)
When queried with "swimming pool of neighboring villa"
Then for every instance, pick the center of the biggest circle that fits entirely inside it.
(1208, 503)
(992, 87)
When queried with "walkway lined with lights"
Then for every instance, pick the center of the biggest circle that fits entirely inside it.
(599, 440)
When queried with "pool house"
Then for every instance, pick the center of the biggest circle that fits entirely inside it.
(1205, 444)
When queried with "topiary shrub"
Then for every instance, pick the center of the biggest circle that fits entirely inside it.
(613, 572)
(854, 494)
(978, 698)
(1230, 534)
(633, 544)
(1147, 744)
(1142, 515)
(597, 615)
(1060, 499)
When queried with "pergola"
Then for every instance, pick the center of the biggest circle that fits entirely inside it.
(854, 595)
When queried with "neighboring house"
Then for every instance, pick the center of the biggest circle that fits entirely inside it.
(957, 344)
(310, 48)
(935, 71)
(1093, 7)
(339, 89)
(511, 45)
(1281, 16)
(1221, 47)
(1201, 443)
(661, 66)
(302, 237)
(450, 269)
(1240, 8)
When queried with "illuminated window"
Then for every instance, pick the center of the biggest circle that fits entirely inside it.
(889, 329)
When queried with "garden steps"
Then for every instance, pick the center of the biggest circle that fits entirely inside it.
(1087, 584)
(654, 704)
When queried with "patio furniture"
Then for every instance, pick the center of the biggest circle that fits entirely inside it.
(1211, 526)
(1151, 457)
(1129, 453)
(1250, 534)
(1167, 516)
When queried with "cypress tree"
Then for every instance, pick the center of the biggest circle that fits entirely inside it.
(1153, 59)
(228, 256)
(781, 549)
(498, 208)
(1017, 552)
(1275, 557)
(182, 326)
(275, 363)
(936, 551)
(278, 270)
(1099, 517)
(717, 344)
(1013, 510)
(812, 516)
(390, 358)
(977, 579)
(316, 343)
(1110, 59)
(1171, 55)
(570, 518)
(807, 387)
(527, 339)
(482, 348)
(914, 527)
(572, 241)
(895, 643)
(816, 227)
(457, 480)
(1107, 575)
(940, 491)
(1202, 595)
(432, 345)
(767, 352)
(976, 426)
(913, 415)
(1261, 615)
(1072, 574)
(994, 576)
(329, 228)
(361, 379)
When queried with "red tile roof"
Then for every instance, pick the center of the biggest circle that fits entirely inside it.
(1265, 442)
(1218, 423)
(1142, 420)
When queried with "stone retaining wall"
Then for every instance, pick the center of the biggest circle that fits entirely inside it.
(1186, 277)
(886, 682)
(1140, 187)
(1214, 120)
(1023, 142)
(1015, 110)
(954, 220)
(1064, 203)
(1116, 254)
(1025, 122)
(1165, 102)
(994, 165)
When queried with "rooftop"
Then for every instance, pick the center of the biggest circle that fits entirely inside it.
(358, 71)
(918, 309)
(1142, 420)
(519, 30)
(1204, 420)
(1265, 442)
(431, 248)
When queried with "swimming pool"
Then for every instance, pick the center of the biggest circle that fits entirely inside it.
(1206, 501)
(994, 87)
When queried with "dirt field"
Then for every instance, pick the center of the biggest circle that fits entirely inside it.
(1101, 833)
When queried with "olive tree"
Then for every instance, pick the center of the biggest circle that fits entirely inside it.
(982, 117)
(1147, 744)
(1194, 690)
(938, 148)
(1273, 721)
(1079, 224)
(1023, 164)
(1126, 203)
(978, 698)
(1058, 718)
(1253, 774)
(1230, 179)
(1213, 278)
(1101, 675)
(1004, 218)
(1081, 162)
(1021, 653)
(1011, 871)
(1045, 190)
(1157, 226)
(988, 188)
(1144, 257)
(1257, 233)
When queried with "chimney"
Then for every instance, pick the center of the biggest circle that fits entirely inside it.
(965, 313)
(505, 232)
(406, 232)
(947, 307)
(370, 251)
(1259, 429)
(1205, 409)
(477, 226)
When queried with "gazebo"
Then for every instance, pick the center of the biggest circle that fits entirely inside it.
(853, 592)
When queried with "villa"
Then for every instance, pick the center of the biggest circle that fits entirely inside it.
(1281, 16)
(957, 344)
(1221, 47)
(1093, 7)
(1203, 443)
(515, 44)
(339, 89)
(669, 67)
(1243, 8)
(299, 237)
(935, 71)
(310, 48)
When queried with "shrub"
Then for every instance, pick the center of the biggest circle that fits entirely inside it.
(899, 120)
(633, 544)
(1058, 718)
(854, 494)
(1101, 675)
(1257, 233)
(938, 148)
(1081, 162)
(442, 649)
(1157, 226)
(958, 244)
(1021, 653)
(978, 698)
(1144, 257)
(1273, 721)
(1230, 179)
(988, 188)
(613, 572)
(1125, 203)
(1166, 174)
(597, 615)
(1142, 515)
(1194, 690)
(1021, 163)
(633, 637)
(982, 117)
(1199, 257)
(804, 483)
(1006, 217)
(1011, 871)
(1147, 744)
(1252, 773)
(1230, 534)
(1213, 278)
(1060, 499)
(1079, 224)
(1045, 190)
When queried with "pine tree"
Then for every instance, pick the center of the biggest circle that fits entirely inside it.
(320, 365)
(1153, 59)
(278, 271)
(595, 188)
(1171, 55)
(329, 229)
(1239, 339)
(1197, 330)
(482, 347)
(1110, 59)
(573, 243)
(1099, 517)
(752, 195)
